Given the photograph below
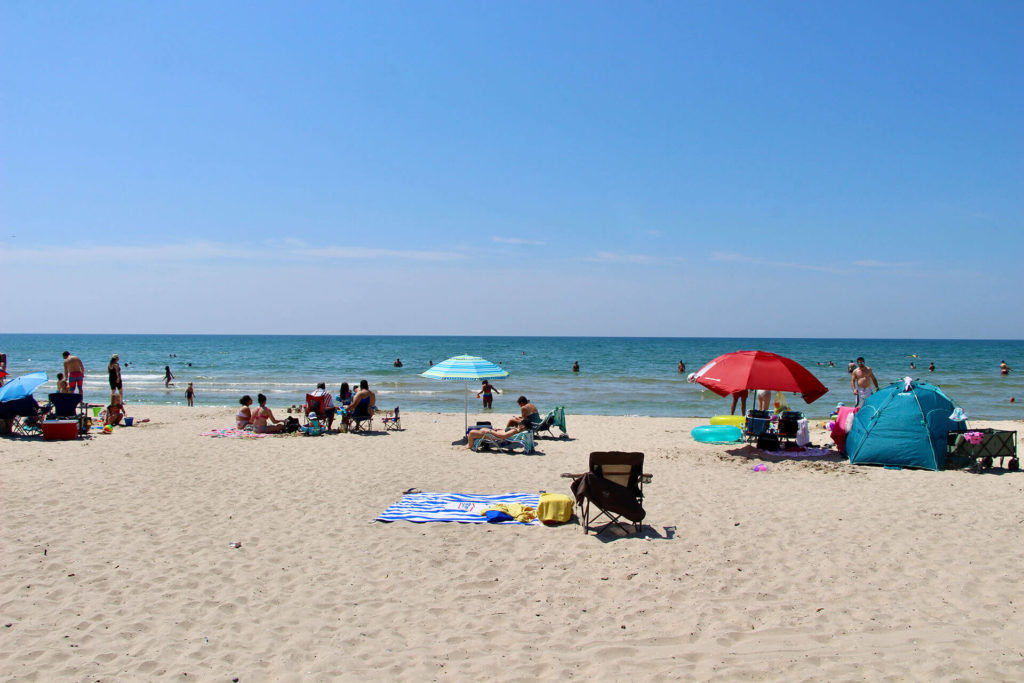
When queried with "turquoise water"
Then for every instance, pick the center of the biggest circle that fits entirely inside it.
(619, 376)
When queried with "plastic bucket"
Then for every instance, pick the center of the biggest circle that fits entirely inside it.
(128, 421)
(96, 411)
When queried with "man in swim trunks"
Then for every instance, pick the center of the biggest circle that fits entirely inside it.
(861, 381)
(75, 372)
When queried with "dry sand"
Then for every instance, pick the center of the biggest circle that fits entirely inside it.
(117, 562)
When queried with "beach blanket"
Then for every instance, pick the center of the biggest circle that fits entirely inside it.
(453, 507)
(233, 433)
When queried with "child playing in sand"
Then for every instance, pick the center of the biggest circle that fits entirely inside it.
(190, 394)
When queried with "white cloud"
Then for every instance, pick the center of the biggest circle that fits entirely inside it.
(733, 257)
(622, 257)
(871, 263)
(516, 240)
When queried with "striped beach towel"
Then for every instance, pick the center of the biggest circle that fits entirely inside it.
(452, 507)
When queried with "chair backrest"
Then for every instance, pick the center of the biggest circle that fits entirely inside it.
(314, 404)
(65, 404)
(547, 423)
(623, 468)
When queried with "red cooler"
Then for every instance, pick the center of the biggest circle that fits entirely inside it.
(60, 430)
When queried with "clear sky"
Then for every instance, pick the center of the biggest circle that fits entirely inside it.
(808, 169)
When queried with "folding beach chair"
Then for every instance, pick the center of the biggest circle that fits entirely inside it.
(556, 418)
(360, 421)
(24, 415)
(522, 441)
(392, 420)
(612, 489)
(758, 424)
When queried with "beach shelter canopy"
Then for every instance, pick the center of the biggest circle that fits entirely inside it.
(20, 387)
(465, 369)
(905, 425)
(742, 370)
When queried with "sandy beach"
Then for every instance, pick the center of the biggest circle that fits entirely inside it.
(118, 562)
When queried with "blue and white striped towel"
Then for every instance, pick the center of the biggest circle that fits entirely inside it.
(452, 507)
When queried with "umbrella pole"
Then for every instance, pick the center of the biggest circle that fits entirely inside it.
(466, 423)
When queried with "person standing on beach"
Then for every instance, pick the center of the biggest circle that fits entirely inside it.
(75, 372)
(861, 380)
(114, 376)
(190, 395)
(485, 390)
(742, 397)
(1004, 369)
(168, 376)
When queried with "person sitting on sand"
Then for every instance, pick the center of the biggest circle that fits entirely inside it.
(262, 416)
(115, 411)
(475, 434)
(529, 415)
(243, 418)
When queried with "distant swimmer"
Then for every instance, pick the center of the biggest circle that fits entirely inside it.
(75, 372)
(1004, 369)
(681, 367)
(397, 363)
(861, 381)
(851, 367)
(931, 367)
(168, 376)
(575, 366)
(831, 364)
(913, 367)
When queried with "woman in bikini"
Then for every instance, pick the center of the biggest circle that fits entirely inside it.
(243, 417)
(474, 434)
(262, 416)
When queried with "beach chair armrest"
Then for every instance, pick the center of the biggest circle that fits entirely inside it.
(646, 478)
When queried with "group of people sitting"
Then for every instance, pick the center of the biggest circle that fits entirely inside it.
(528, 418)
(262, 420)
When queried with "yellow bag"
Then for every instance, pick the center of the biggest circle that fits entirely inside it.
(554, 508)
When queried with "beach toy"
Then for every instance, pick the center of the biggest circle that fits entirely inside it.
(731, 420)
(96, 411)
(760, 467)
(128, 421)
(717, 434)
(107, 429)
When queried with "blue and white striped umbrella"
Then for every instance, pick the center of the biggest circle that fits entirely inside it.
(465, 368)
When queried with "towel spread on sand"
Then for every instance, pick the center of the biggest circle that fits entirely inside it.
(454, 507)
(233, 433)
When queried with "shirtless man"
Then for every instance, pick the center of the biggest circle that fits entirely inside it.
(75, 372)
(1004, 369)
(861, 381)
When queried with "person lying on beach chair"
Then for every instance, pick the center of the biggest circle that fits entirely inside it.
(519, 436)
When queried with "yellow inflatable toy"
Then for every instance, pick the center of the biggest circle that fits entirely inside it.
(731, 420)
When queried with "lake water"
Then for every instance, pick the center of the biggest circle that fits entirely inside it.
(619, 376)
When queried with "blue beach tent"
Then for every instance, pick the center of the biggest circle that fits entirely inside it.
(904, 425)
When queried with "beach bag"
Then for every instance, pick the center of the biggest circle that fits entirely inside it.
(768, 442)
(291, 424)
(554, 508)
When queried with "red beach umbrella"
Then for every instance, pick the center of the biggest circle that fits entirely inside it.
(741, 370)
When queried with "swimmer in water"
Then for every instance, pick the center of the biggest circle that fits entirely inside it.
(1004, 369)
(931, 367)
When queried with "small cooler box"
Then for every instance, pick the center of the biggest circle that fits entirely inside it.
(60, 430)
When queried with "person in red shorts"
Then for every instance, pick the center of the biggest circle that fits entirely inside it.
(75, 372)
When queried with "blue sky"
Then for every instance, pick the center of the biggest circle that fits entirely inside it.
(592, 168)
